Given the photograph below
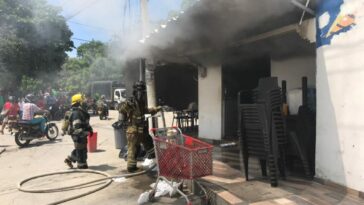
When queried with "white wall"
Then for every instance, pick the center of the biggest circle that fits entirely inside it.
(293, 69)
(210, 103)
(340, 107)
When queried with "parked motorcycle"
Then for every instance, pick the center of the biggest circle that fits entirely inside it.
(53, 110)
(25, 132)
(57, 112)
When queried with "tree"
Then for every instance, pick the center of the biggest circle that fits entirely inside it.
(30, 85)
(33, 38)
(106, 69)
(91, 50)
(91, 64)
(74, 76)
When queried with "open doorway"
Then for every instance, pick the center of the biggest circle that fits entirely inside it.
(176, 85)
(291, 64)
(237, 76)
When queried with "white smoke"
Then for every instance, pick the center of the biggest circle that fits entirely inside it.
(216, 23)
(207, 24)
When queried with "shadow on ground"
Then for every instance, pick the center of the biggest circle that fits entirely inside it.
(99, 150)
(36, 143)
(102, 167)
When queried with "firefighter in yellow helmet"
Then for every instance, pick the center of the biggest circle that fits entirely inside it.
(76, 124)
(132, 114)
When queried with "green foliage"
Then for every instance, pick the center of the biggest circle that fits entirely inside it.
(30, 85)
(91, 50)
(33, 38)
(5, 77)
(105, 69)
(91, 64)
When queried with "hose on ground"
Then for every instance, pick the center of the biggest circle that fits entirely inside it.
(107, 178)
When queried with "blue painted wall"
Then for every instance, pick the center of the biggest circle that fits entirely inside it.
(333, 9)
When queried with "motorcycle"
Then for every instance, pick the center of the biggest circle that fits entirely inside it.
(103, 112)
(12, 121)
(57, 112)
(91, 106)
(25, 132)
(53, 109)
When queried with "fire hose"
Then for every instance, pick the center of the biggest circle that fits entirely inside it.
(107, 178)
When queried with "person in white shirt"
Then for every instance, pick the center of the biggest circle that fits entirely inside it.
(29, 110)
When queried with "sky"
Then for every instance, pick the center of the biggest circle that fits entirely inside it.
(103, 19)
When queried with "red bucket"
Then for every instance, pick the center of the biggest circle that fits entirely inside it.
(92, 142)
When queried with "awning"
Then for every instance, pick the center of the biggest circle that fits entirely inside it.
(215, 25)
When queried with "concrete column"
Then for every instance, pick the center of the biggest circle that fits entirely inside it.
(150, 82)
(210, 102)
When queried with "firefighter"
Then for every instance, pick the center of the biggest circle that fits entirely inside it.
(132, 114)
(76, 124)
(102, 107)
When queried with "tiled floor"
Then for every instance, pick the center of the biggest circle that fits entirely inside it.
(227, 174)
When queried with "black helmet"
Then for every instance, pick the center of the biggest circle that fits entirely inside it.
(29, 98)
(139, 91)
(139, 86)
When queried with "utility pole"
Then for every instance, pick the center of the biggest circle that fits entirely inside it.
(149, 64)
(144, 30)
(144, 17)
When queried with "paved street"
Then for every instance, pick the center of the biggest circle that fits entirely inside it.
(43, 156)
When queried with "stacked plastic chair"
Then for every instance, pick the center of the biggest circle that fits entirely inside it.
(262, 129)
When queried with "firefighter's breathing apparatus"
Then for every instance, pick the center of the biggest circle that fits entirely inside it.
(107, 178)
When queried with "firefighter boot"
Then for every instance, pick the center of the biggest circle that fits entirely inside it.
(68, 163)
(134, 169)
(82, 166)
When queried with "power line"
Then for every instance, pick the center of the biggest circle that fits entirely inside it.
(91, 26)
(82, 9)
(80, 39)
(131, 14)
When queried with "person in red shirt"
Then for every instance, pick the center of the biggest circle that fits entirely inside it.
(14, 111)
(10, 110)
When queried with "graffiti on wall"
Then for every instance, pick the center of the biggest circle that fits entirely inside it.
(336, 17)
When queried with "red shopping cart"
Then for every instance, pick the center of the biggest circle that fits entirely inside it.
(180, 157)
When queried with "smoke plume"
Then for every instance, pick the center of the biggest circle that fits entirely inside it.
(213, 24)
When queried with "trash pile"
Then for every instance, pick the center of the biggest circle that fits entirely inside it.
(163, 188)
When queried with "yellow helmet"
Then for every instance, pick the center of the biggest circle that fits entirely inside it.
(78, 98)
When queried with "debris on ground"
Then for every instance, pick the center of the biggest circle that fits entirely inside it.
(149, 163)
(163, 188)
(144, 197)
(119, 179)
(2, 150)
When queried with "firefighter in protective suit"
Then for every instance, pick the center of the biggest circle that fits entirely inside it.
(76, 124)
(132, 114)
